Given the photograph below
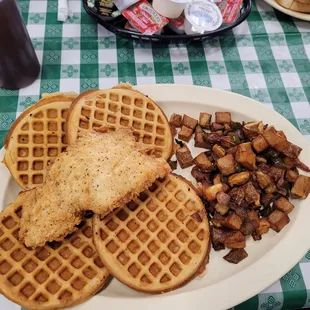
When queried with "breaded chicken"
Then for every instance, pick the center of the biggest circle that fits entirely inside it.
(100, 172)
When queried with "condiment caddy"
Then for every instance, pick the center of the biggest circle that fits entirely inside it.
(169, 21)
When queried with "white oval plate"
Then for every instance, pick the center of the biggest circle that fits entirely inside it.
(225, 284)
(275, 5)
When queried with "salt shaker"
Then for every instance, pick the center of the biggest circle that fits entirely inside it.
(19, 65)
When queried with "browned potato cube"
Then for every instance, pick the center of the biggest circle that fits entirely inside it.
(223, 198)
(218, 150)
(212, 191)
(245, 156)
(301, 187)
(235, 256)
(271, 188)
(173, 164)
(235, 240)
(202, 162)
(221, 209)
(259, 144)
(173, 130)
(252, 129)
(292, 150)
(226, 164)
(184, 157)
(185, 133)
(263, 179)
(283, 205)
(216, 127)
(278, 220)
(189, 122)
(222, 117)
(291, 176)
(254, 218)
(227, 141)
(263, 227)
(251, 194)
(217, 179)
(232, 221)
(217, 220)
(276, 140)
(200, 141)
(205, 120)
(238, 178)
(176, 120)
(290, 162)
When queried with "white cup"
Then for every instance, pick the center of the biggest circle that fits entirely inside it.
(169, 8)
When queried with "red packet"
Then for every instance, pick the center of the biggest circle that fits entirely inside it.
(229, 9)
(144, 18)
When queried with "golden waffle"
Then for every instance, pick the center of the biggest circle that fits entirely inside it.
(158, 242)
(58, 275)
(121, 107)
(37, 137)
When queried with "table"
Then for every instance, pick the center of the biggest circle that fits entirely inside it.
(266, 58)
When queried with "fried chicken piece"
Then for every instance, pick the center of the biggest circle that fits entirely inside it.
(100, 172)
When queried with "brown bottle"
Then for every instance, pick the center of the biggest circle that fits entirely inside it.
(19, 65)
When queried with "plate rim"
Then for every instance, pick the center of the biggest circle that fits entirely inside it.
(298, 15)
(250, 282)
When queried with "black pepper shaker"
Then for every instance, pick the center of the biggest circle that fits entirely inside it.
(19, 65)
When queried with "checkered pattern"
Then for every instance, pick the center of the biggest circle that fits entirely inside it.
(266, 58)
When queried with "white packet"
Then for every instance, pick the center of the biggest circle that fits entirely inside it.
(124, 4)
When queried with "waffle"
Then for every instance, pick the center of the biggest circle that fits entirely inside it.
(37, 137)
(58, 275)
(121, 107)
(158, 242)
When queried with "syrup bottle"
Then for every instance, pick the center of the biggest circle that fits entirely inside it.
(19, 65)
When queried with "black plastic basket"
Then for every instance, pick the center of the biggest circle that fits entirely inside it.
(116, 25)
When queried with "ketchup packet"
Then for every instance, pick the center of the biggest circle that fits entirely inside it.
(144, 18)
(177, 24)
(229, 9)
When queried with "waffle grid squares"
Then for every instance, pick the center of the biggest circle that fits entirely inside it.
(55, 275)
(155, 245)
(118, 110)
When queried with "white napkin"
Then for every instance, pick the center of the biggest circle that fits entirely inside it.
(63, 10)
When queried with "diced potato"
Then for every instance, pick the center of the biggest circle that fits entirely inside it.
(216, 126)
(226, 164)
(217, 220)
(223, 198)
(259, 144)
(205, 120)
(271, 188)
(252, 129)
(291, 176)
(221, 209)
(266, 198)
(189, 121)
(176, 120)
(254, 218)
(263, 227)
(283, 205)
(278, 220)
(173, 164)
(222, 117)
(203, 163)
(289, 162)
(235, 256)
(185, 133)
(211, 192)
(292, 150)
(218, 235)
(235, 240)
(198, 174)
(200, 141)
(245, 156)
(276, 173)
(274, 139)
(263, 179)
(173, 130)
(218, 150)
(301, 187)
(184, 157)
(238, 178)
(217, 179)
(251, 194)
(260, 159)
(227, 141)
(232, 221)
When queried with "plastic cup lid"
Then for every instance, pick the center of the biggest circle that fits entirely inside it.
(203, 15)
(181, 1)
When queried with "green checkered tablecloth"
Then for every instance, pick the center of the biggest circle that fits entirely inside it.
(266, 58)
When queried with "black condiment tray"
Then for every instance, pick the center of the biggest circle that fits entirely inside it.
(116, 25)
